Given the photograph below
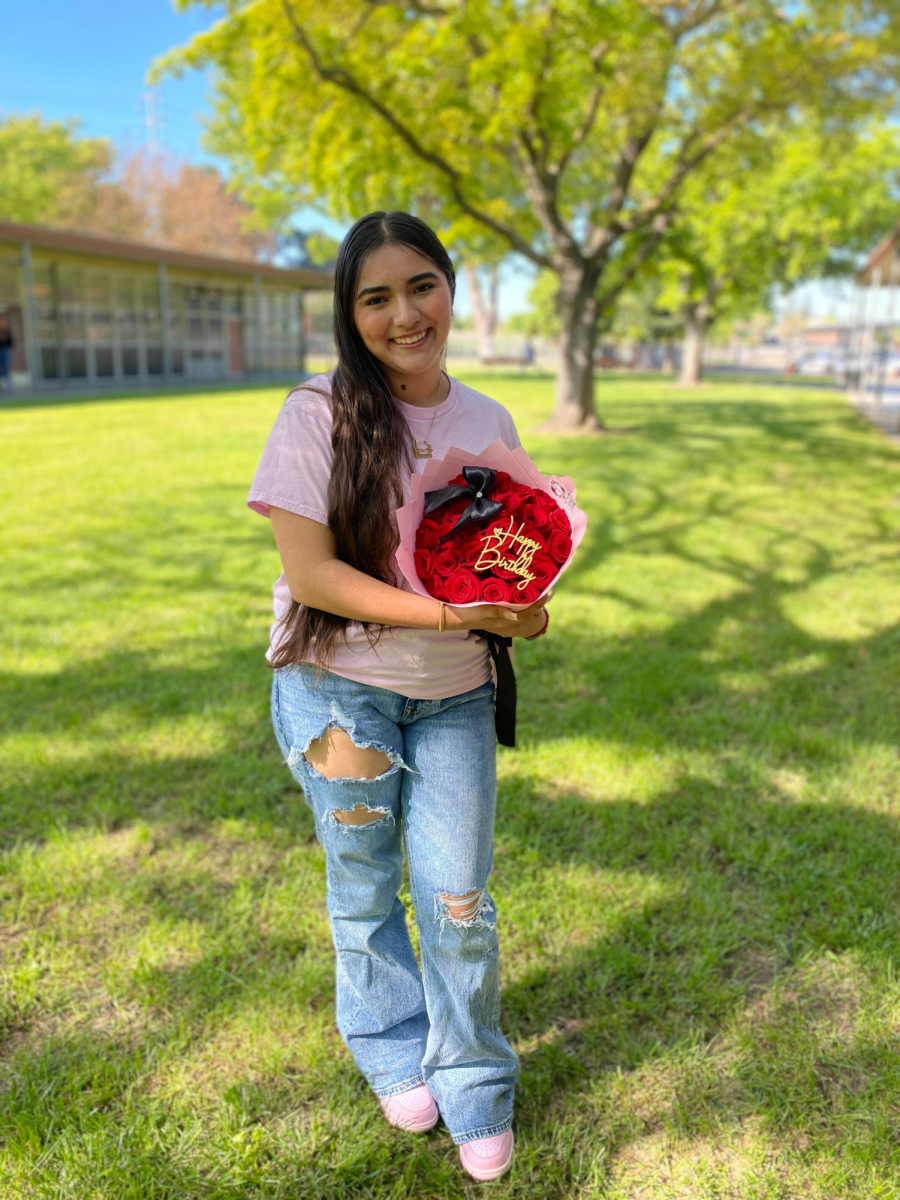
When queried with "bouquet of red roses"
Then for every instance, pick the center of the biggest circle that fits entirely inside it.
(487, 528)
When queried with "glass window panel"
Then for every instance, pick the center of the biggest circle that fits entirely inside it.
(100, 312)
(195, 327)
(130, 360)
(213, 300)
(72, 299)
(294, 314)
(49, 365)
(214, 326)
(177, 361)
(104, 366)
(192, 298)
(9, 285)
(232, 301)
(150, 306)
(43, 285)
(154, 360)
(76, 363)
(126, 313)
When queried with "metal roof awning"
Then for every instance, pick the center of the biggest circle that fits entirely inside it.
(42, 237)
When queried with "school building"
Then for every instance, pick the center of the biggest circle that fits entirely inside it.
(88, 311)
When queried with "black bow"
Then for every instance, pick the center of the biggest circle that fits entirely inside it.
(479, 483)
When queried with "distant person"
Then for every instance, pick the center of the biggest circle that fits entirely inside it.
(7, 341)
(528, 355)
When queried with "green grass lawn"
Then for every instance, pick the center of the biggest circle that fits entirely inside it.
(697, 845)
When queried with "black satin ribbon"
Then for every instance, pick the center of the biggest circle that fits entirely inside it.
(479, 484)
(505, 702)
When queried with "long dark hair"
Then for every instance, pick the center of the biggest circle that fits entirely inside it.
(370, 437)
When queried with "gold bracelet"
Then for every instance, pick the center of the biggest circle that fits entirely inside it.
(441, 618)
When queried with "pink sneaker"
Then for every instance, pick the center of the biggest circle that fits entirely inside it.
(487, 1158)
(414, 1110)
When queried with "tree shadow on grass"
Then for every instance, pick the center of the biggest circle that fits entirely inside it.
(755, 891)
(728, 991)
(732, 996)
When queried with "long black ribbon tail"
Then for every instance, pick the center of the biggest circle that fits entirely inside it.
(505, 704)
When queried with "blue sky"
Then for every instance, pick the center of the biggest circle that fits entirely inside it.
(88, 59)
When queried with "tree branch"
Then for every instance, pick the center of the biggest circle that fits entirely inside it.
(540, 188)
(342, 78)
(598, 53)
(537, 94)
(646, 248)
(684, 164)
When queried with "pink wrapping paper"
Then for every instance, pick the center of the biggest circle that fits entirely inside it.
(438, 473)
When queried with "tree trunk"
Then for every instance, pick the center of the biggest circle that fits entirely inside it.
(575, 382)
(696, 323)
(484, 313)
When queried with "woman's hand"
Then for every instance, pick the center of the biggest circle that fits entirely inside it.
(504, 622)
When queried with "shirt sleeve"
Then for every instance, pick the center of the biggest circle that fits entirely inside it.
(513, 441)
(295, 467)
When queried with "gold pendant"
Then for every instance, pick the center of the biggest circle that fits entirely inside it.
(422, 449)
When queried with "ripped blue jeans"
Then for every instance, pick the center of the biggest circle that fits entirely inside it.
(436, 801)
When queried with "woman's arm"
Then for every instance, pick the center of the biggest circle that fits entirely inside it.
(316, 577)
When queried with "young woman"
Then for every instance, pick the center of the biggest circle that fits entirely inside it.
(383, 699)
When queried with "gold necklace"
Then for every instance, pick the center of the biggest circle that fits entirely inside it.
(423, 448)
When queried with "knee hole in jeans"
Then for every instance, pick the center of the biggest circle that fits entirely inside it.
(467, 910)
(360, 814)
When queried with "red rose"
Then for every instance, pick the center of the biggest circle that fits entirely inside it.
(510, 501)
(528, 594)
(501, 480)
(427, 534)
(531, 512)
(450, 514)
(542, 506)
(424, 561)
(560, 546)
(538, 533)
(559, 520)
(462, 587)
(471, 545)
(436, 586)
(496, 591)
(544, 571)
(445, 561)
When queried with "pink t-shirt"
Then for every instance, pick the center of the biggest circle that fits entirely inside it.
(293, 473)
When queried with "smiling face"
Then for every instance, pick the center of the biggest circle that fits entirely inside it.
(403, 311)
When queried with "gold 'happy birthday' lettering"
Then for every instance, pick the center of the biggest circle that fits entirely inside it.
(519, 552)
